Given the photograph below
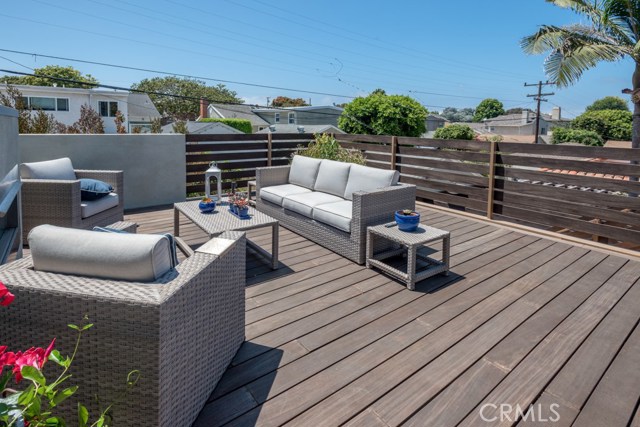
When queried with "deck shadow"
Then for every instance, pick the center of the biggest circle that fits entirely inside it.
(230, 394)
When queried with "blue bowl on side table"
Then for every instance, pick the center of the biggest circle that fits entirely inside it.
(407, 222)
(207, 207)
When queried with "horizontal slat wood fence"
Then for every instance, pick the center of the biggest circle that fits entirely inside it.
(578, 188)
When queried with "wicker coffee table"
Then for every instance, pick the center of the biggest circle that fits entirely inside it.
(221, 220)
(410, 242)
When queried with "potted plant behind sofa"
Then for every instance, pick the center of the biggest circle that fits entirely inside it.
(325, 146)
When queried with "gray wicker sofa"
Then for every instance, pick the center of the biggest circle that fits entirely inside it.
(180, 331)
(57, 201)
(332, 203)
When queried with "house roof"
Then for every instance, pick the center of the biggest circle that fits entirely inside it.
(141, 108)
(305, 108)
(287, 128)
(237, 111)
(437, 117)
(204, 128)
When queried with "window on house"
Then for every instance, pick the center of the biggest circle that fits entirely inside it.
(292, 118)
(108, 108)
(543, 131)
(277, 118)
(45, 103)
(62, 104)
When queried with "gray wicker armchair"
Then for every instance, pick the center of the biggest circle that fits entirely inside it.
(180, 332)
(57, 202)
(372, 207)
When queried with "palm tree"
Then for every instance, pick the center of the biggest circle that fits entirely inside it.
(612, 34)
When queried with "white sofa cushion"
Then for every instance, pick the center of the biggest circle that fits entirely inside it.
(336, 214)
(276, 193)
(91, 207)
(303, 171)
(305, 202)
(332, 177)
(50, 169)
(363, 178)
(120, 256)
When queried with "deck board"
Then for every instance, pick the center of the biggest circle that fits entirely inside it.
(521, 319)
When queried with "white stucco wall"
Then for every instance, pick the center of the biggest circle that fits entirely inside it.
(154, 165)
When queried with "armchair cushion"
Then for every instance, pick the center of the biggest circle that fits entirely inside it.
(276, 193)
(336, 214)
(332, 177)
(304, 171)
(91, 207)
(305, 202)
(119, 256)
(363, 178)
(50, 169)
(93, 189)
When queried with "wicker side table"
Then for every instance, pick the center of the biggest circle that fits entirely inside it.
(410, 242)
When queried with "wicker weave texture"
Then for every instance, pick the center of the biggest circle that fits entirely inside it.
(180, 332)
(369, 208)
(57, 202)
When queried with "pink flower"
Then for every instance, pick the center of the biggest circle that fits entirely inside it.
(6, 297)
(7, 358)
(35, 357)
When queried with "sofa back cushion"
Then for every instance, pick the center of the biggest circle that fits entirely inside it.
(50, 169)
(363, 178)
(304, 171)
(131, 257)
(332, 177)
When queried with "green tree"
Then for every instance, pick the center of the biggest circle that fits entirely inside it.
(382, 114)
(609, 124)
(458, 114)
(586, 137)
(609, 32)
(609, 103)
(487, 109)
(285, 101)
(454, 132)
(171, 105)
(57, 71)
(180, 126)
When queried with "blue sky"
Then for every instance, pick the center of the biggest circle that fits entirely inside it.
(442, 53)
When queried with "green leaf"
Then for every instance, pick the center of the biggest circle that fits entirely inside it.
(74, 327)
(4, 380)
(100, 422)
(33, 374)
(63, 395)
(83, 416)
(26, 396)
(87, 326)
(55, 422)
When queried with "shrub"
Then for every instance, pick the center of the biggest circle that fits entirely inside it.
(585, 137)
(609, 103)
(454, 132)
(609, 124)
(326, 147)
(242, 125)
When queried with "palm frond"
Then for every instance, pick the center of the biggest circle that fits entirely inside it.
(572, 50)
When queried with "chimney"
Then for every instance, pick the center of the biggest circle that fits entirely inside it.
(556, 113)
(525, 116)
(204, 108)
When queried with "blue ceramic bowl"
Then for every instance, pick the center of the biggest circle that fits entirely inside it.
(407, 222)
(206, 207)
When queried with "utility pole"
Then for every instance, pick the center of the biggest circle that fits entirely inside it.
(268, 100)
(538, 97)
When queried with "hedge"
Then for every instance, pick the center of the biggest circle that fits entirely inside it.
(242, 125)
(586, 137)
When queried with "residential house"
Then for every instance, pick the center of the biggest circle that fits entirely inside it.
(208, 128)
(287, 128)
(234, 111)
(262, 117)
(434, 122)
(64, 104)
(524, 123)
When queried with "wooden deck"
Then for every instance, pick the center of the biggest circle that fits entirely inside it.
(521, 320)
